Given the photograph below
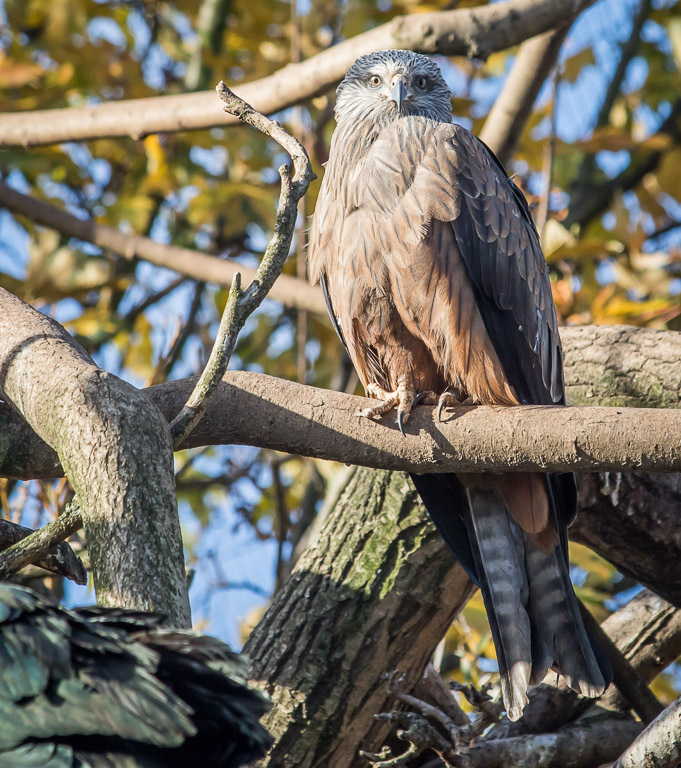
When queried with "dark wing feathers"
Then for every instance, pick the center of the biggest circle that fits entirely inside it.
(506, 266)
(110, 689)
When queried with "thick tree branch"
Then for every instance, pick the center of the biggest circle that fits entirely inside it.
(470, 32)
(506, 120)
(634, 366)
(115, 448)
(291, 291)
(642, 506)
(263, 411)
(579, 746)
(659, 746)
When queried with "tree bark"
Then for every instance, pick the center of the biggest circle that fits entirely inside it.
(373, 594)
(259, 410)
(584, 745)
(114, 446)
(299, 647)
(659, 746)
(643, 508)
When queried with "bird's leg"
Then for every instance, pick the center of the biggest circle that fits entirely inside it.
(449, 399)
(404, 397)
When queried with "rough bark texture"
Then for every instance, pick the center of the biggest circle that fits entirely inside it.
(659, 746)
(621, 365)
(301, 659)
(608, 366)
(586, 745)
(470, 32)
(643, 508)
(114, 446)
(374, 594)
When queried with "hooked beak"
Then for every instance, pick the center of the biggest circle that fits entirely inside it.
(398, 93)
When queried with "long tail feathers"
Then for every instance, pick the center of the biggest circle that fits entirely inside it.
(505, 592)
(532, 609)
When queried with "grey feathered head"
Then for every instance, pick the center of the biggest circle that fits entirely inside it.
(382, 85)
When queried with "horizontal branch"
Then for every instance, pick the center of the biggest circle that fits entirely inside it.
(616, 364)
(474, 32)
(259, 410)
(264, 411)
(579, 746)
(291, 291)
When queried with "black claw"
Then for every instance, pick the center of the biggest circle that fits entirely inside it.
(400, 422)
(419, 397)
(440, 406)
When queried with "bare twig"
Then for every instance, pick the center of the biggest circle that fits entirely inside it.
(61, 559)
(585, 208)
(180, 337)
(195, 407)
(628, 50)
(34, 547)
(425, 708)
(419, 733)
(240, 304)
(549, 156)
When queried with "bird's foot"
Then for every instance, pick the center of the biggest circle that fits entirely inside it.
(447, 400)
(404, 398)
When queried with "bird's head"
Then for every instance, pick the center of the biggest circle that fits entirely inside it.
(387, 84)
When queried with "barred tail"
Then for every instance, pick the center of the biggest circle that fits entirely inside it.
(532, 608)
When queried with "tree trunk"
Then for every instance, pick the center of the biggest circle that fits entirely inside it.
(375, 593)
(114, 446)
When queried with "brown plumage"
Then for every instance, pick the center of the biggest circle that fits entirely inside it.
(436, 283)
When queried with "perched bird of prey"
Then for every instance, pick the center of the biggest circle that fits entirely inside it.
(107, 688)
(437, 286)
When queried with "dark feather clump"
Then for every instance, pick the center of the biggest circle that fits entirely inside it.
(108, 688)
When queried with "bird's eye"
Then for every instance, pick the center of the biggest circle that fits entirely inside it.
(421, 82)
(374, 81)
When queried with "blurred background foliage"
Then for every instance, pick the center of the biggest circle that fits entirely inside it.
(594, 136)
